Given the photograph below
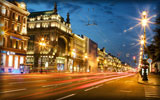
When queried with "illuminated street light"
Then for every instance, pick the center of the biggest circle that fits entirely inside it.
(144, 22)
(142, 42)
(42, 44)
(42, 39)
(85, 56)
(144, 13)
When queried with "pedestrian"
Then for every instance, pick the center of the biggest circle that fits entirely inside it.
(156, 68)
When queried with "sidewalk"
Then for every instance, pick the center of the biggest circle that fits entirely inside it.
(153, 79)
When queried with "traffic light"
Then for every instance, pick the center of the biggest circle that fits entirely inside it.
(134, 58)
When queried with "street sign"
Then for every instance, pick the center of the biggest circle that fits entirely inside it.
(145, 56)
(149, 60)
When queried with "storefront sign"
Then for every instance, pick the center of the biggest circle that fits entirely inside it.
(10, 53)
(15, 38)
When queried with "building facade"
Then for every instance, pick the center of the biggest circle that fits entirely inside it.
(92, 53)
(58, 37)
(13, 35)
(79, 53)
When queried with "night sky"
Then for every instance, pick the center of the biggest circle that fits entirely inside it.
(115, 21)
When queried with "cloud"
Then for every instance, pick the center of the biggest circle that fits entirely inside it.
(31, 10)
(72, 7)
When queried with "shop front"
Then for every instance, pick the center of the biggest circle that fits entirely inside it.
(61, 64)
(10, 61)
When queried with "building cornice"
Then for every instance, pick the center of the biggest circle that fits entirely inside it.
(10, 5)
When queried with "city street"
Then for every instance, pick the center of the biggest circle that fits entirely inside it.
(79, 50)
(59, 86)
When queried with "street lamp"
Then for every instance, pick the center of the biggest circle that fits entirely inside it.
(144, 22)
(42, 45)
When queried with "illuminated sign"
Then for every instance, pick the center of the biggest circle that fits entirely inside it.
(10, 53)
(15, 38)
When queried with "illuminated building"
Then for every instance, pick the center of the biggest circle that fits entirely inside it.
(13, 35)
(108, 62)
(58, 34)
(91, 51)
(102, 61)
(79, 45)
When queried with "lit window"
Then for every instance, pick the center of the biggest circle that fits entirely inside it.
(10, 62)
(38, 25)
(16, 62)
(45, 25)
(3, 10)
(21, 60)
(38, 18)
(53, 24)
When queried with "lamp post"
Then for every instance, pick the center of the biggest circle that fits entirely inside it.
(144, 22)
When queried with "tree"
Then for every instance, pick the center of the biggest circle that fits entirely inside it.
(154, 48)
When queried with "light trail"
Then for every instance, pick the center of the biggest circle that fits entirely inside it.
(84, 86)
(9, 91)
(38, 94)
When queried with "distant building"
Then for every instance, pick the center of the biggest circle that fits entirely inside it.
(79, 45)
(13, 35)
(92, 53)
(102, 60)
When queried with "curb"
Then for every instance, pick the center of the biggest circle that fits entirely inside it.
(145, 82)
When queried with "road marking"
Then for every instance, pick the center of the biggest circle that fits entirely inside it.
(89, 89)
(56, 84)
(98, 86)
(49, 85)
(125, 91)
(13, 90)
(28, 82)
(66, 97)
(152, 92)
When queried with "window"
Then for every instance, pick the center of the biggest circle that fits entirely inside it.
(38, 25)
(18, 28)
(22, 44)
(11, 43)
(45, 25)
(16, 44)
(16, 62)
(13, 16)
(3, 10)
(21, 60)
(12, 26)
(19, 18)
(3, 41)
(10, 62)
(8, 12)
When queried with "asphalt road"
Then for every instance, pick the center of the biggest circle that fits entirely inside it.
(59, 86)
